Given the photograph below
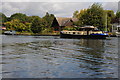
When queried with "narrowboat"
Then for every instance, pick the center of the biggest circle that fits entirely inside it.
(84, 32)
(11, 32)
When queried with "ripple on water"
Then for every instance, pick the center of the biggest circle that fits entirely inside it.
(51, 57)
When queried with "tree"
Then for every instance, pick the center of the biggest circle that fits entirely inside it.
(118, 14)
(95, 15)
(75, 14)
(16, 25)
(80, 16)
(109, 19)
(3, 18)
(20, 16)
(49, 18)
(9, 26)
(38, 25)
(117, 17)
(30, 19)
(92, 16)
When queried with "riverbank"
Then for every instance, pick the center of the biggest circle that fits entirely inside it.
(36, 34)
(49, 34)
(39, 34)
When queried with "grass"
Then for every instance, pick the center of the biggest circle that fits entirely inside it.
(30, 33)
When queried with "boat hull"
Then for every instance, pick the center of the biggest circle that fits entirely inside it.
(8, 34)
(83, 36)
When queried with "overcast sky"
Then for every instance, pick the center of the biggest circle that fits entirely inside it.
(58, 8)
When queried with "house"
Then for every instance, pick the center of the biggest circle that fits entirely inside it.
(115, 27)
(60, 22)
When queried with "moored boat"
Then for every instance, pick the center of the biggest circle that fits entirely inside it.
(118, 34)
(84, 32)
(11, 32)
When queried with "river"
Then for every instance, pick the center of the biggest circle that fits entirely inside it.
(53, 57)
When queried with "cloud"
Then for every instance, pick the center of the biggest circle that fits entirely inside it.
(60, 0)
(0, 7)
(111, 6)
(8, 8)
(59, 9)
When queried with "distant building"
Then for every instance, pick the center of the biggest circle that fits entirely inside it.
(3, 28)
(60, 22)
(115, 27)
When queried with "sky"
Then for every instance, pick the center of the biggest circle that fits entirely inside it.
(59, 8)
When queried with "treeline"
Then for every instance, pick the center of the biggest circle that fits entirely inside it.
(22, 23)
(95, 15)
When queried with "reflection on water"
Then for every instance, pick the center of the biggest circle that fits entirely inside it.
(52, 57)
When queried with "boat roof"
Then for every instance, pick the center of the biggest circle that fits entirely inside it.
(88, 27)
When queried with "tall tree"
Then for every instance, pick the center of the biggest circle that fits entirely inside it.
(22, 17)
(109, 19)
(30, 19)
(81, 16)
(38, 25)
(75, 14)
(3, 18)
(92, 16)
(49, 18)
(117, 17)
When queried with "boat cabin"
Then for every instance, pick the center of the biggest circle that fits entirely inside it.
(87, 30)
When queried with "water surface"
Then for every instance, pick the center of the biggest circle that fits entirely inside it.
(53, 57)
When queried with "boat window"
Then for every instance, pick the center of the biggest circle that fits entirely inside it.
(73, 32)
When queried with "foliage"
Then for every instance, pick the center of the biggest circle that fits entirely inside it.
(47, 30)
(81, 16)
(38, 25)
(95, 15)
(16, 25)
(3, 18)
(75, 14)
(118, 14)
(78, 14)
(69, 28)
(20, 16)
(41, 25)
(30, 19)
(49, 18)
(117, 17)
(91, 16)
(109, 16)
